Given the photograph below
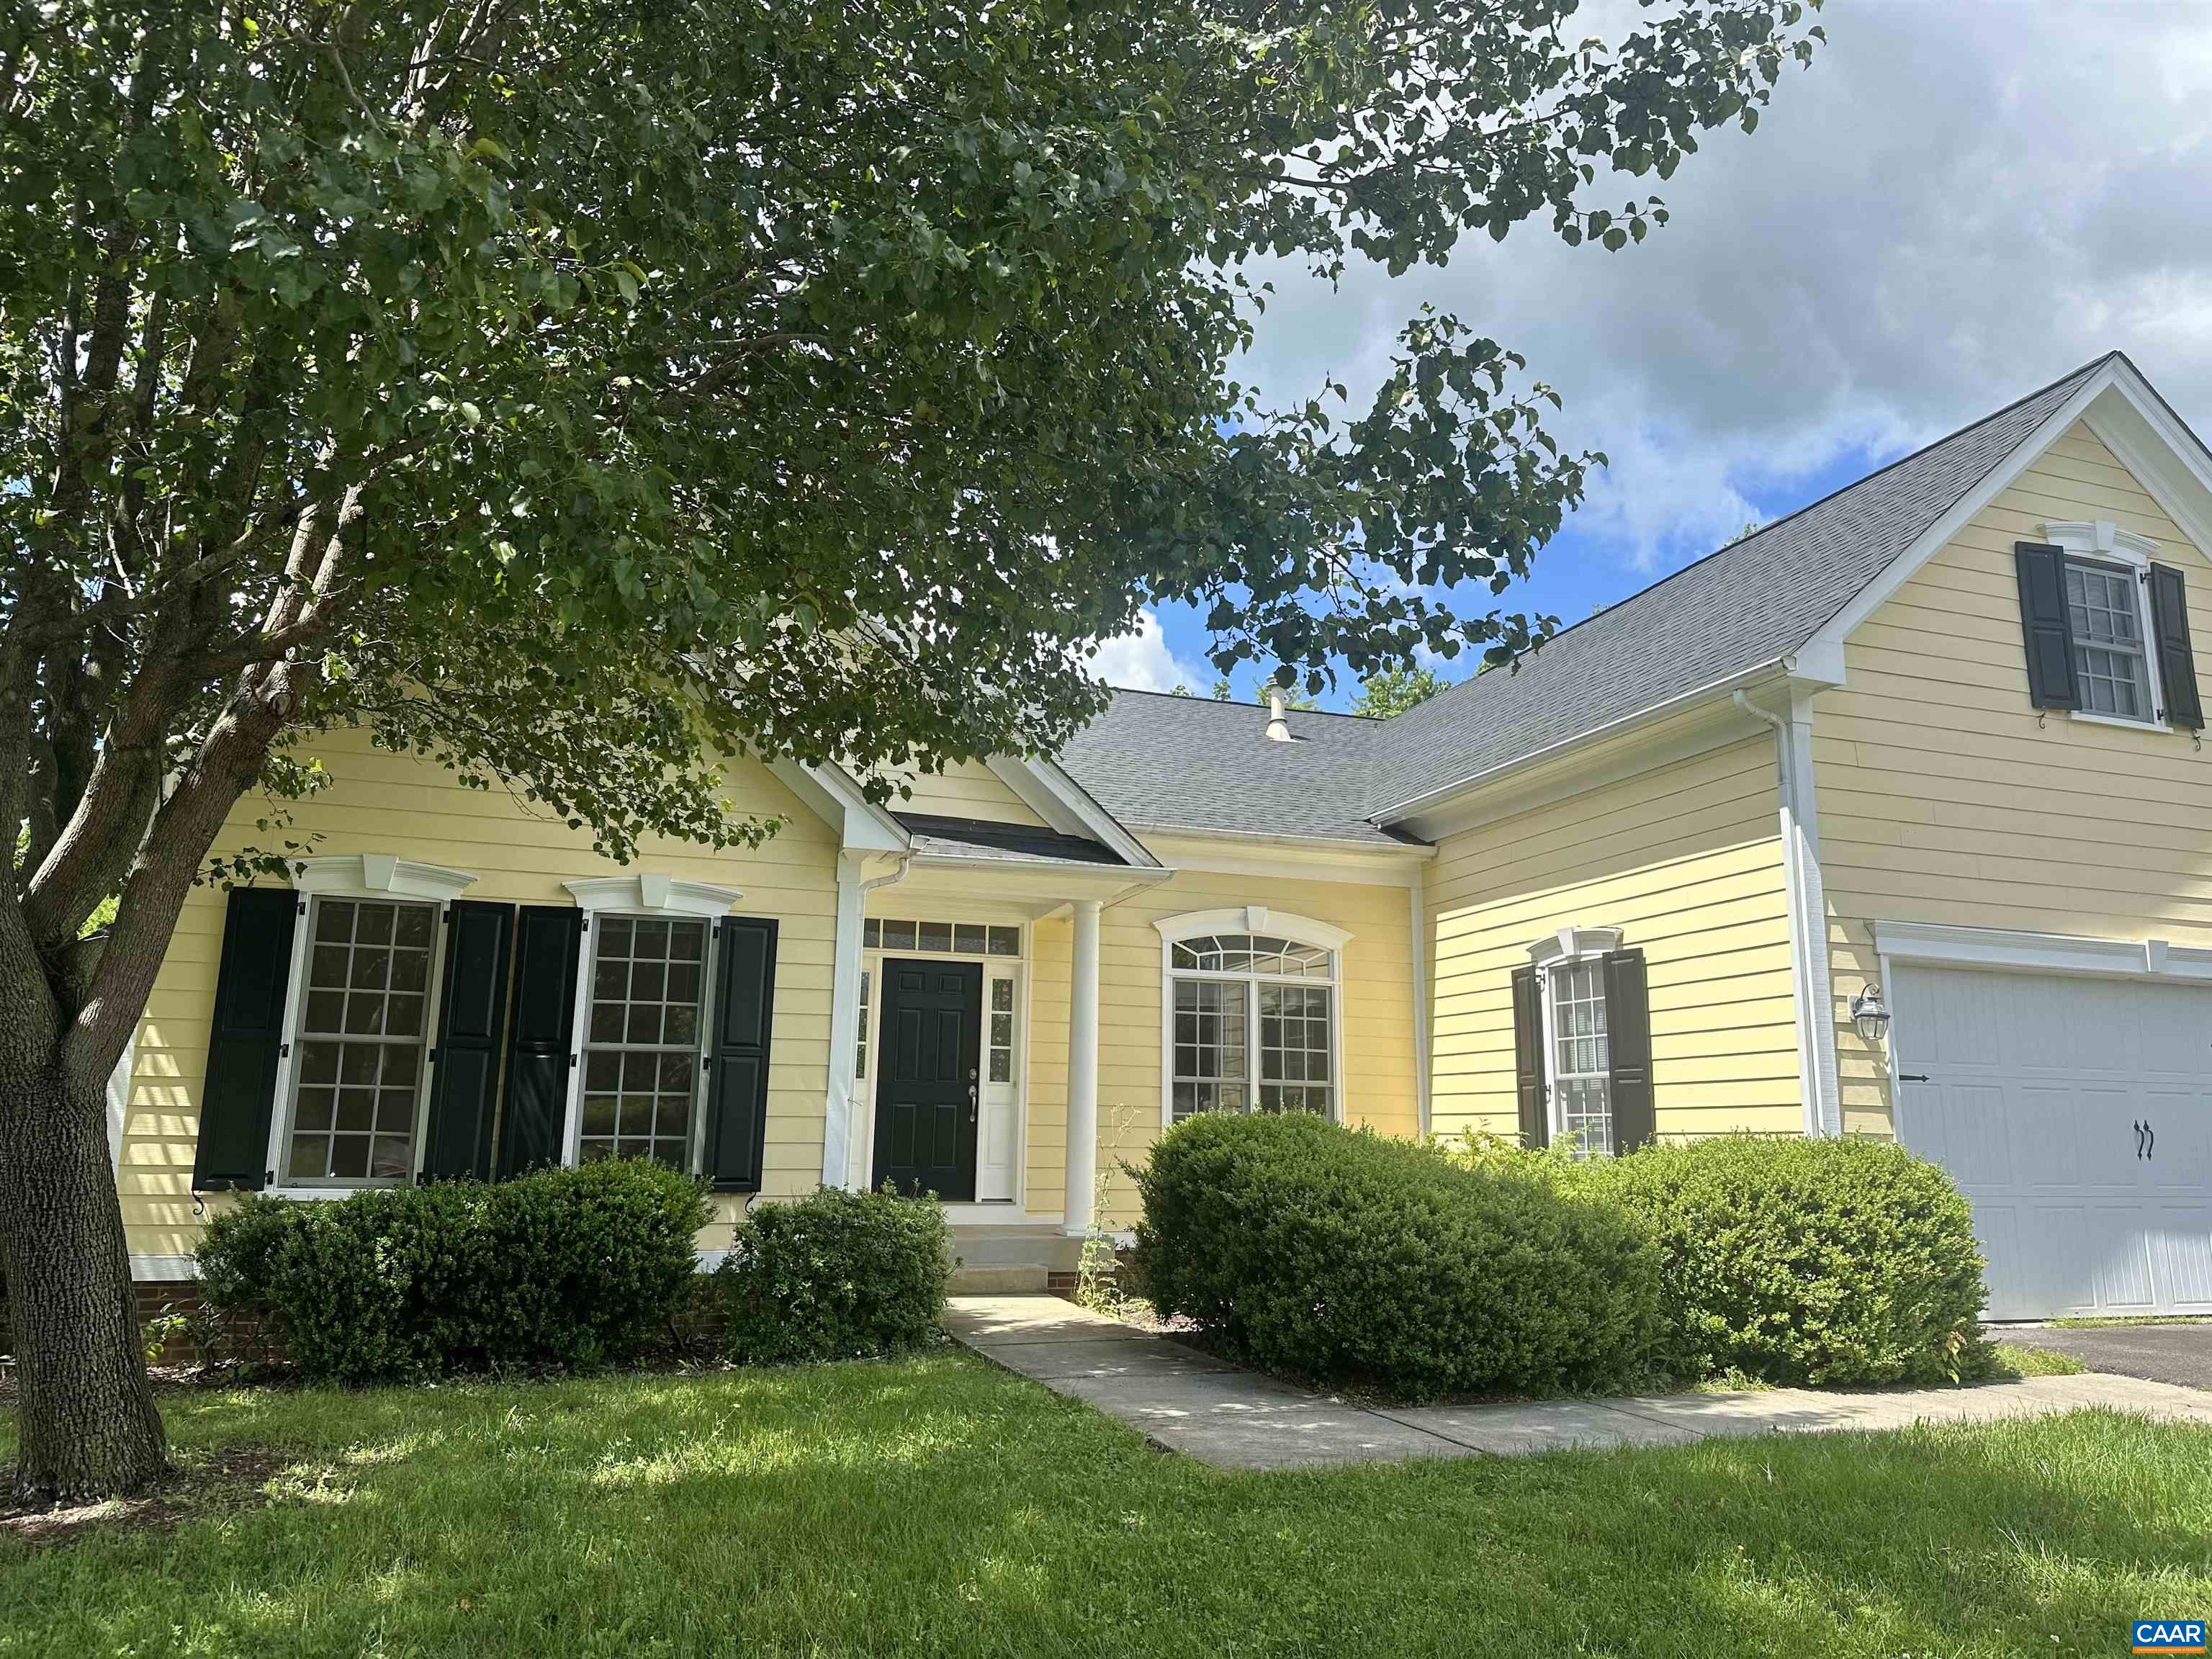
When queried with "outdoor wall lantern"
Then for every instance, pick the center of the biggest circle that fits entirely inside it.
(1869, 1014)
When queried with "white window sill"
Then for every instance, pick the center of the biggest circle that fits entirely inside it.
(2117, 719)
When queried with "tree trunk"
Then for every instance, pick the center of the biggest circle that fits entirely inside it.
(89, 1427)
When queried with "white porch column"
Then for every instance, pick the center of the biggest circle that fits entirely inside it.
(844, 1023)
(1082, 1071)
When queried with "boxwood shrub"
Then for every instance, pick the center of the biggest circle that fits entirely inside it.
(1343, 1257)
(1834, 1263)
(574, 1267)
(836, 1276)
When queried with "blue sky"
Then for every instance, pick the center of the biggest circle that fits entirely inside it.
(1957, 203)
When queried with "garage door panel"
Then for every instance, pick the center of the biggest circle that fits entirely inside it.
(2035, 1084)
(2180, 1148)
(2181, 1245)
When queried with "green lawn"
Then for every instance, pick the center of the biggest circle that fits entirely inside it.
(939, 1507)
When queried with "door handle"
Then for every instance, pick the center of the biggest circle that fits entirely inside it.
(2138, 1127)
(2151, 1150)
(971, 1098)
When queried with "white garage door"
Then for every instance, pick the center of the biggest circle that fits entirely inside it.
(2076, 1114)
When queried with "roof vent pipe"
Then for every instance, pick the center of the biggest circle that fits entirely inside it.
(1279, 723)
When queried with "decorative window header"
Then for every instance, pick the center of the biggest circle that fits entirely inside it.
(1569, 943)
(379, 872)
(2100, 539)
(959, 939)
(1255, 919)
(652, 892)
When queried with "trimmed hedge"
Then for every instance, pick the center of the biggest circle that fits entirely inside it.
(574, 1267)
(836, 1276)
(1837, 1263)
(1341, 1256)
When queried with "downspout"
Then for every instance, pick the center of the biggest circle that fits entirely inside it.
(1807, 912)
(1420, 943)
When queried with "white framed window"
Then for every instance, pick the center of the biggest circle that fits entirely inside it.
(963, 939)
(360, 1041)
(1578, 1045)
(2108, 620)
(353, 1077)
(1249, 1013)
(643, 980)
(642, 1036)
(860, 1047)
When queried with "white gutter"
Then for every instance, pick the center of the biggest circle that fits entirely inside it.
(1420, 803)
(1807, 909)
(1420, 955)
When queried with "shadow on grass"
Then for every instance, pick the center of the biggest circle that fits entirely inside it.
(940, 1506)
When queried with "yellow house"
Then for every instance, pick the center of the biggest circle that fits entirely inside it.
(1890, 817)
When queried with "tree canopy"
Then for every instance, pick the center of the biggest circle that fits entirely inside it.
(1389, 691)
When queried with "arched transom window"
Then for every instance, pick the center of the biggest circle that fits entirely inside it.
(1251, 1013)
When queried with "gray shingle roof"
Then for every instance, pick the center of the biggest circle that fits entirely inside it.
(1756, 599)
(1188, 763)
(1154, 760)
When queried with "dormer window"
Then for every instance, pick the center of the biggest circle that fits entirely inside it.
(2107, 628)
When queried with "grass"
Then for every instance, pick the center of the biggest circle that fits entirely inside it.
(938, 1506)
(2094, 1323)
(2023, 1360)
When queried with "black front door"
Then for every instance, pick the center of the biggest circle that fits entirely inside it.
(926, 1083)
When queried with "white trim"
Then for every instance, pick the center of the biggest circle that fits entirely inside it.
(1572, 944)
(283, 1105)
(1828, 643)
(164, 1269)
(844, 1019)
(2049, 953)
(649, 893)
(1047, 790)
(1420, 955)
(2166, 458)
(1079, 1150)
(1289, 843)
(710, 965)
(118, 1100)
(1435, 798)
(379, 875)
(1805, 909)
(1368, 865)
(836, 797)
(2122, 553)
(1251, 919)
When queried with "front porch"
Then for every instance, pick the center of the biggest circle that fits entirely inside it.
(1013, 1261)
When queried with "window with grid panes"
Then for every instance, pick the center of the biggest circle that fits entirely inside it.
(2104, 612)
(363, 1025)
(1581, 1060)
(641, 1068)
(1226, 987)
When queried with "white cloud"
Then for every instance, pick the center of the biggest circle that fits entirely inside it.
(1141, 661)
(1952, 206)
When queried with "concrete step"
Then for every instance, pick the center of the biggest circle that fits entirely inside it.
(1002, 1280)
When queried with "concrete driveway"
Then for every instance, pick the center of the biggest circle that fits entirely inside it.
(2160, 1353)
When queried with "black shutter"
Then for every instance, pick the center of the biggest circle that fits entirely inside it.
(737, 1061)
(2044, 626)
(1628, 1041)
(539, 1046)
(2177, 660)
(472, 1018)
(1528, 1059)
(250, 987)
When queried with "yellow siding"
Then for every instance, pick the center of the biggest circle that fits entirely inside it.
(1944, 798)
(1687, 860)
(967, 790)
(1377, 998)
(401, 804)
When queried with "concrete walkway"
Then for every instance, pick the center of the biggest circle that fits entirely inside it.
(1190, 1402)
